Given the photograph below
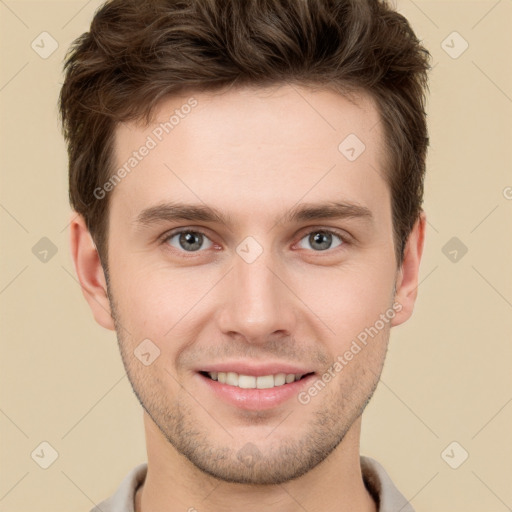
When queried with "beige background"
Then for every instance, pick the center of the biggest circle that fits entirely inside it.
(447, 376)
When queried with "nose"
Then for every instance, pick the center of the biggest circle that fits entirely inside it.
(258, 303)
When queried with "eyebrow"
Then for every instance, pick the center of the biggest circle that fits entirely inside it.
(302, 212)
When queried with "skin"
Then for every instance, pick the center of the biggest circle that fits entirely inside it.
(253, 154)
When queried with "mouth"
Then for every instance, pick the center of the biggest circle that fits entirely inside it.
(265, 391)
(255, 382)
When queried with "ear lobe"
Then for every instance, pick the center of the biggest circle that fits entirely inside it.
(407, 279)
(89, 271)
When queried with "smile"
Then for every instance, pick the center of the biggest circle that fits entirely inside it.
(252, 381)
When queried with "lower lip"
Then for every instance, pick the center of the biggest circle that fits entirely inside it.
(256, 399)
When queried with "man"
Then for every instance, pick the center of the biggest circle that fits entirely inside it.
(247, 180)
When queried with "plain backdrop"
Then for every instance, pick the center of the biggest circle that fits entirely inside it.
(447, 378)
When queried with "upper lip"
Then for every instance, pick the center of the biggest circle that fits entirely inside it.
(255, 369)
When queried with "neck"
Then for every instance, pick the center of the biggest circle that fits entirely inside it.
(173, 483)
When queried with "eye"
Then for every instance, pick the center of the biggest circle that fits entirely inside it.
(321, 239)
(187, 240)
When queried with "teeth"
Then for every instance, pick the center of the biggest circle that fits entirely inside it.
(265, 382)
(252, 382)
(246, 381)
(279, 379)
(232, 378)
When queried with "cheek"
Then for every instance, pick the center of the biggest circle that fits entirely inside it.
(143, 296)
(346, 299)
(154, 299)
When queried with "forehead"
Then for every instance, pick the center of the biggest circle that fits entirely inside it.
(243, 113)
(275, 144)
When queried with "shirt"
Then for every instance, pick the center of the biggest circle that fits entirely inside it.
(376, 480)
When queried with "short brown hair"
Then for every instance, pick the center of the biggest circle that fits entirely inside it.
(138, 53)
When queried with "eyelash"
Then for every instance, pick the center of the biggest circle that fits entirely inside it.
(342, 236)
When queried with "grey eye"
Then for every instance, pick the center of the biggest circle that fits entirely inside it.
(321, 240)
(190, 241)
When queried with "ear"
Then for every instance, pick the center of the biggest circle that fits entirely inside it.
(407, 277)
(89, 271)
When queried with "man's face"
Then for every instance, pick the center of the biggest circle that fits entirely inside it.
(266, 290)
